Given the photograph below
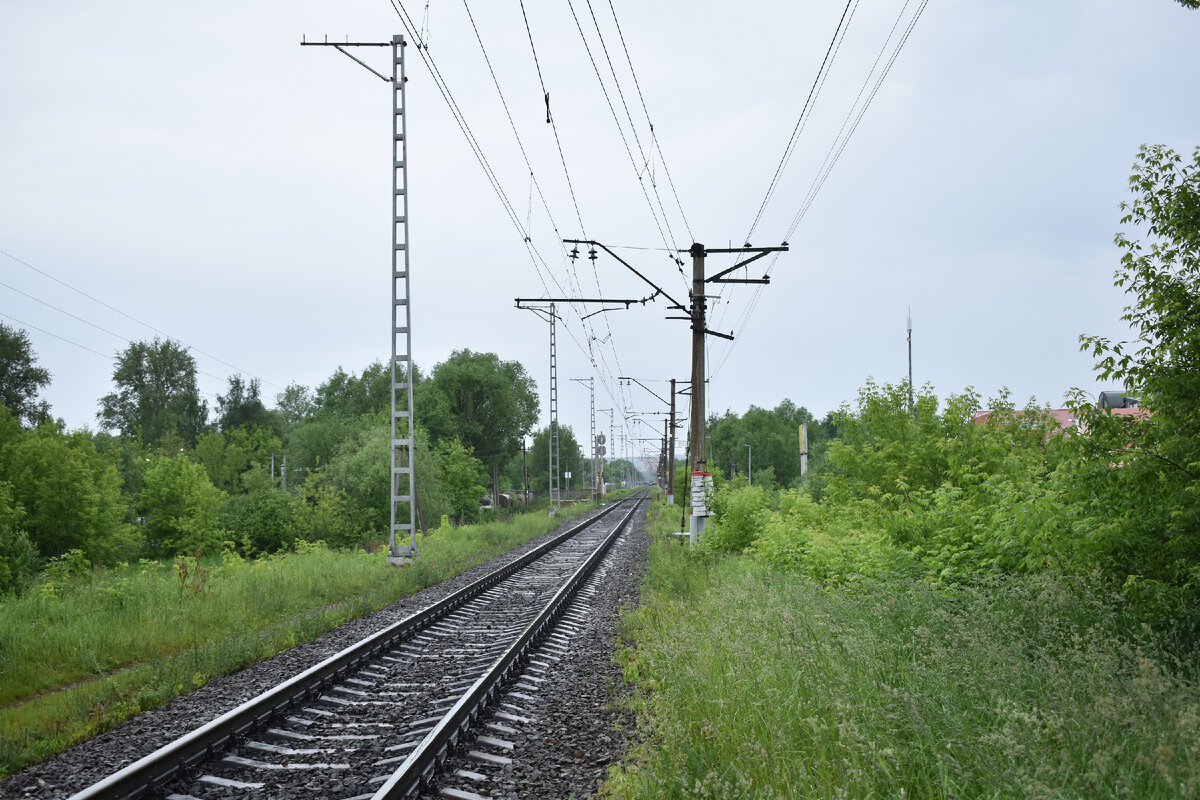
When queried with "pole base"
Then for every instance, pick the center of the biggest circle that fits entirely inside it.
(399, 556)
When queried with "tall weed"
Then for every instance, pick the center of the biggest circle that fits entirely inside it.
(750, 682)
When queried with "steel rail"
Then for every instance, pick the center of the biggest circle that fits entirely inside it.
(164, 764)
(433, 750)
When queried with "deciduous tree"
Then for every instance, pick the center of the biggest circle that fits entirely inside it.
(486, 403)
(241, 406)
(294, 405)
(71, 497)
(348, 396)
(1147, 512)
(156, 394)
(569, 453)
(20, 377)
(461, 478)
(17, 556)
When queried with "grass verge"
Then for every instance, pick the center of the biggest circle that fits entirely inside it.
(81, 653)
(754, 683)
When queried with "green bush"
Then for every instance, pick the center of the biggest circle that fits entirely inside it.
(738, 516)
(71, 497)
(263, 521)
(181, 507)
(18, 559)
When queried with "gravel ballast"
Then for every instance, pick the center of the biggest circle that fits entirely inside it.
(578, 722)
(594, 678)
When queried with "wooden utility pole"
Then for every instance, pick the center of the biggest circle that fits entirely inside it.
(701, 482)
(671, 452)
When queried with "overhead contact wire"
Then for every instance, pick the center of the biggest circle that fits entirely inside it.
(654, 138)
(477, 151)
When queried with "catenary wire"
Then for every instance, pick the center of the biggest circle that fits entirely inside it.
(629, 116)
(637, 84)
(588, 329)
(534, 183)
(620, 129)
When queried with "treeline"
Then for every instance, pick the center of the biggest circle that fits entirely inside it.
(929, 492)
(167, 476)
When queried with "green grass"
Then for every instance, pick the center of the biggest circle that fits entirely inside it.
(79, 654)
(754, 683)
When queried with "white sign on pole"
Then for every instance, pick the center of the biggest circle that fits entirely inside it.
(702, 487)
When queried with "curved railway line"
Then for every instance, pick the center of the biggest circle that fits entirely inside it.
(428, 705)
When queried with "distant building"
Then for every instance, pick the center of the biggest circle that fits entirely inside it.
(1116, 400)
(1118, 404)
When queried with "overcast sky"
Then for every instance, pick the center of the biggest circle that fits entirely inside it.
(194, 168)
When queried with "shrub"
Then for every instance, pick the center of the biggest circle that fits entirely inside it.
(738, 515)
(17, 557)
(182, 508)
(263, 521)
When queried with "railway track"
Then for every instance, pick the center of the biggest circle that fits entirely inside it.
(387, 716)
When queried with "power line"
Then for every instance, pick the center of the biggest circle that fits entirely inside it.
(56, 336)
(62, 311)
(646, 160)
(549, 116)
(806, 111)
(823, 175)
(617, 121)
(105, 356)
(836, 148)
(814, 92)
(460, 119)
(527, 234)
(562, 158)
(534, 183)
(536, 63)
(164, 334)
(86, 322)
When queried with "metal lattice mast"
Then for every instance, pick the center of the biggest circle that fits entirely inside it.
(402, 486)
(555, 491)
(403, 480)
(597, 442)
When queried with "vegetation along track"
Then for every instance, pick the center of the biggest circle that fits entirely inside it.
(382, 716)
